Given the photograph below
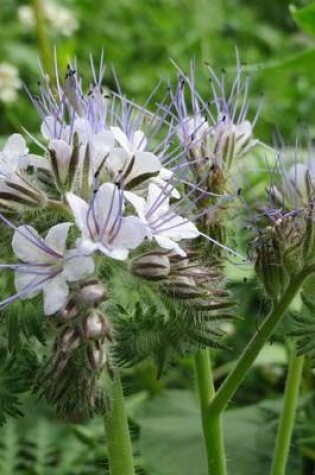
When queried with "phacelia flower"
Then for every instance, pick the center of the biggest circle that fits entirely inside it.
(46, 266)
(162, 222)
(102, 224)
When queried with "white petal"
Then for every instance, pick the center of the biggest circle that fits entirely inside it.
(139, 142)
(119, 254)
(145, 162)
(56, 293)
(157, 201)
(117, 162)
(15, 146)
(26, 245)
(35, 161)
(83, 129)
(57, 236)
(101, 145)
(167, 243)
(131, 233)
(63, 154)
(137, 202)
(80, 210)
(107, 206)
(178, 228)
(25, 282)
(121, 138)
(77, 266)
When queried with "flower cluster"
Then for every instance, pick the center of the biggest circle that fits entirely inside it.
(105, 166)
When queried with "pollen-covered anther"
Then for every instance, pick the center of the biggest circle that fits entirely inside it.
(92, 292)
(96, 326)
(152, 266)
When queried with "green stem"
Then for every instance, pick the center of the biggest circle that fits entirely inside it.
(245, 361)
(42, 36)
(281, 452)
(212, 432)
(118, 436)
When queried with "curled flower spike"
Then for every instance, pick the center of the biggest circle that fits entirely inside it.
(102, 225)
(46, 266)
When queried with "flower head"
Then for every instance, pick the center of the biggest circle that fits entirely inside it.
(162, 222)
(102, 224)
(46, 266)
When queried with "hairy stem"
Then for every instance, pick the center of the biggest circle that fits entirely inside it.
(284, 435)
(245, 361)
(212, 432)
(118, 436)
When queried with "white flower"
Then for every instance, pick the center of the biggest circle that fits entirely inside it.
(130, 164)
(163, 224)
(47, 265)
(61, 19)
(9, 82)
(14, 186)
(102, 225)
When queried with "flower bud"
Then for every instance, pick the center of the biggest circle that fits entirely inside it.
(152, 266)
(96, 326)
(92, 292)
(183, 287)
(70, 340)
(97, 356)
(69, 312)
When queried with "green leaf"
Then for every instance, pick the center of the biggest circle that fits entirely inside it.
(170, 424)
(304, 17)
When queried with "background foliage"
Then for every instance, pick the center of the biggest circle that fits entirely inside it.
(276, 42)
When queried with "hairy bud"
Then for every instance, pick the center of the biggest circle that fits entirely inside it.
(92, 292)
(96, 326)
(69, 312)
(152, 266)
(97, 356)
(70, 340)
(183, 287)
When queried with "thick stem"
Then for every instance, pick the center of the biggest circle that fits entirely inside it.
(118, 436)
(212, 430)
(245, 361)
(282, 448)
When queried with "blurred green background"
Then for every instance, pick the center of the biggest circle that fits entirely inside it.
(139, 37)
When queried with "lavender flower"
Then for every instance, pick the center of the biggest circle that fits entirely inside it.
(102, 224)
(46, 266)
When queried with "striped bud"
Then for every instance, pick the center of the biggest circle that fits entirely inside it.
(96, 326)
(70, 340)
(92, 292)
(152, 266)
(183, 287)
(97, 356)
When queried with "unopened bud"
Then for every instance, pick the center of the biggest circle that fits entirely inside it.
(70, 340)
(152, 266)
(96, 326)
(97, 356)
(183, 287)
(92, 292)
(69, 312)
